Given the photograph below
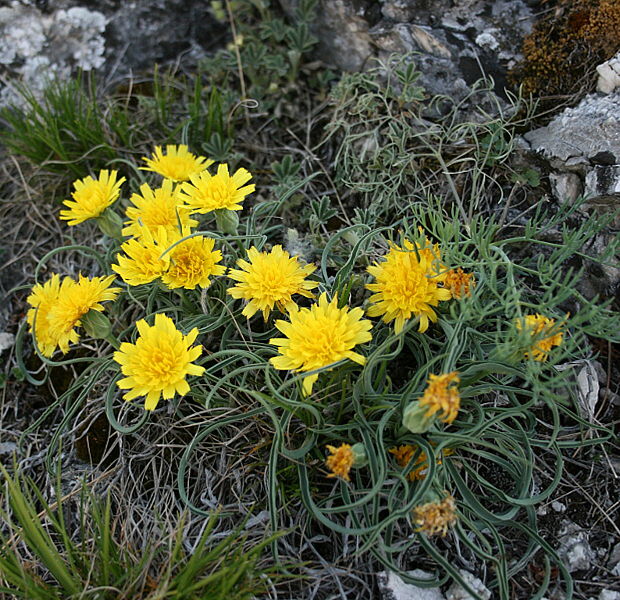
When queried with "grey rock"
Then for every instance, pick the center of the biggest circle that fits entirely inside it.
(609, 595)
(107, 35)
(342, 30)
(603, 180)
(614, 560)
(567, 187)
(458, 41)
(608, 75)
(6, 341)
(589, 132)
(392, 587)
(574, 549)
(458, 592)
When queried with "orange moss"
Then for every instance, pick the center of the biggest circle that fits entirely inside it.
(561, 53)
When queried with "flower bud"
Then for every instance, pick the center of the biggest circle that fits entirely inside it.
(227, 221)
(359, 455)
(96, 325)
(110, 224)
(416, 419)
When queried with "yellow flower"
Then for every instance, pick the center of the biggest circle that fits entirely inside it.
(208, 192)
(407, 284)
(459, 283)
(192, 262)
(177, 164)
(144, 262)
(319, 336)
(544, 335)
(270, 279)
(435, 518)
(404, 454)
(42, 299)
(92, 197)
(157, 364)
(157, 208)
(340, 461)
(74, 300)
(442, 394)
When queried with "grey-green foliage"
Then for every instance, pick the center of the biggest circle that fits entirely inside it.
(395, 143)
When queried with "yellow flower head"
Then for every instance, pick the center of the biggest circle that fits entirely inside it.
(192, 262)
(407, 284)
(459, 283)
(442, 394)
(157, 364)
(319, 336)
(270, 279)
(340, 461)
(208, 192)
(178, 164)
(143, 261)
(92, 197)
(74, 300)
(157, 208)
(404, 454)
(435, 518)
(544, 335)
(42, 298)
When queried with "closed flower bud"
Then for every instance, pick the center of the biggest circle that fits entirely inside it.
(227, 221)
(96, 325)
(416, 418)
(111, 224)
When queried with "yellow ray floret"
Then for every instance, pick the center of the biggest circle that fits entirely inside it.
(72, 302)
(544, 332)
(156, 208)
(42, 298)
(270, 279)
(177, 164)
(442, 395)
(319, 336)
(91, 197)
(407, 284)
(158, 363)
(340, 461)
(192, 263)
(144, 259)
(208, 192)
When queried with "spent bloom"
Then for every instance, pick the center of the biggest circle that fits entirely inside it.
(270, 279)
(435, 518)
(144, 259)
(544, 332)
(404, 455)
(157, 208)
(406, 285)
(91, 197)
(459, 283)
(208, 192)
(74, 300)
(319, 336)
(442, 395)
(192, 262)
(340, 461)
(177, 164)
(158, 363)
(42, 299)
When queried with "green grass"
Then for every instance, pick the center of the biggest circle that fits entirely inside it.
(96, 561)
